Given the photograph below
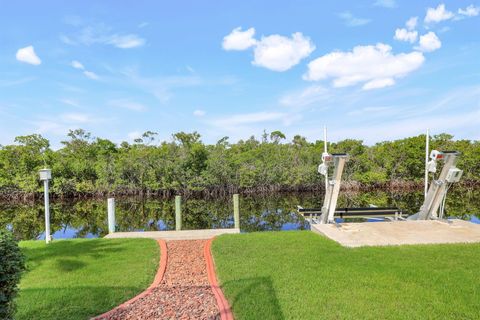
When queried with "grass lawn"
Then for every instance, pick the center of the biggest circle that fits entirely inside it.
(301, 275)
(77, 279)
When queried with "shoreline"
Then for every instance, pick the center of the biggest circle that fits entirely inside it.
(219, 192)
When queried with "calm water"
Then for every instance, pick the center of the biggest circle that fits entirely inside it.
(88, 218)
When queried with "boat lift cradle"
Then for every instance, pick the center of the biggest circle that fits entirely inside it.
(329, 209)
(434, 203)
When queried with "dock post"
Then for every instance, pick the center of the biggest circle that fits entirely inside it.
(45, 176)
(178, 213)
(111, 215)
(236, 211)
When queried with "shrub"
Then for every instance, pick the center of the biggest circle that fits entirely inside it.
(12, 264)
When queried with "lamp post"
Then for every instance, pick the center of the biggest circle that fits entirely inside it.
(46, 176)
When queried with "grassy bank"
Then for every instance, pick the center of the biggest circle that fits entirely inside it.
(300, 275)
(77, 279)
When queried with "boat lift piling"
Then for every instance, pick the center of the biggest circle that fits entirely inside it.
(427, 142)
(111, 214)
(332, 189)
(46, 176)
(437, 192)
(332, 186)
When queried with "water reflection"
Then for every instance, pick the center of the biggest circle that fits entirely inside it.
(88, 218)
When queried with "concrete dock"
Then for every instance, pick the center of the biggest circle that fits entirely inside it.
(400, 232)
(173, 235)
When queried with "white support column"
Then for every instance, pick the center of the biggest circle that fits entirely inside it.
(437, 190)
(337, 180)
(325, 152)
(45, 176)
(48, 237)
(178, 213)
(236, 211)
(333, 189)
(427, 142)
(111, 215)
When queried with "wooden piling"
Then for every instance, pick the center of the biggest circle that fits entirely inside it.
(178, 213)
(111, 215)
(236, 210)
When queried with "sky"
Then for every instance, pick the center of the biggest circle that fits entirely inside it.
(372, 70)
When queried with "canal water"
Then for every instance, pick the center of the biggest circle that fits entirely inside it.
(88, 218)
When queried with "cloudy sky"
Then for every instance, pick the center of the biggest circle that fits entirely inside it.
(371, 69)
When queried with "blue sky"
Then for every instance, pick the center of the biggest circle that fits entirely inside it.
(371, 70)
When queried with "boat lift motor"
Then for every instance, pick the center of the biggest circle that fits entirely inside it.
(333, 185)
(437, 192)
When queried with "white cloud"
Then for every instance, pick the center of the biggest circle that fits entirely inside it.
(239, 40)
(308, 96)
(91, 75)
(378, 83)
(274, 52)
(405, 35)
(102, 34)
(77, 65)
(351, 20)
(375, 66)
(386, 3)
(470, 11)
(411, 23)
(75, 118)
(127, 104)
(438, 14)
(248, 118)
(199, 113)
(429, 42)
(279, 53)
(126, 41)
(28, 55)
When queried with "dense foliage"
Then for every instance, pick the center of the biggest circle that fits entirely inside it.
(11, 267)
(88, 165)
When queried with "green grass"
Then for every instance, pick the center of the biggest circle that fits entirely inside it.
(301, 275)
(77, 279)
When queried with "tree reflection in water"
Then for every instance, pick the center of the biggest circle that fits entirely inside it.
(88, 218)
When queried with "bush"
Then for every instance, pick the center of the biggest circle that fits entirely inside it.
(12, 264)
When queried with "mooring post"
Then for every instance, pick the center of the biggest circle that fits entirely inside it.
(45, 176)
(178, 213)
(236, 210)
(111, 215)
(47, 212)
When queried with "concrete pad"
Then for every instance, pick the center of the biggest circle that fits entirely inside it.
(400, 232)
(173, 235)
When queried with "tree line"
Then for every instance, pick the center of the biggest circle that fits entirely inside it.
(89, 166)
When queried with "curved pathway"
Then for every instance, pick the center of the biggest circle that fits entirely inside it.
(185, 287)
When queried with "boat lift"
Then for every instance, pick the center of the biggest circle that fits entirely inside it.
(333, 186)
(434, 204)
(329, 210)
